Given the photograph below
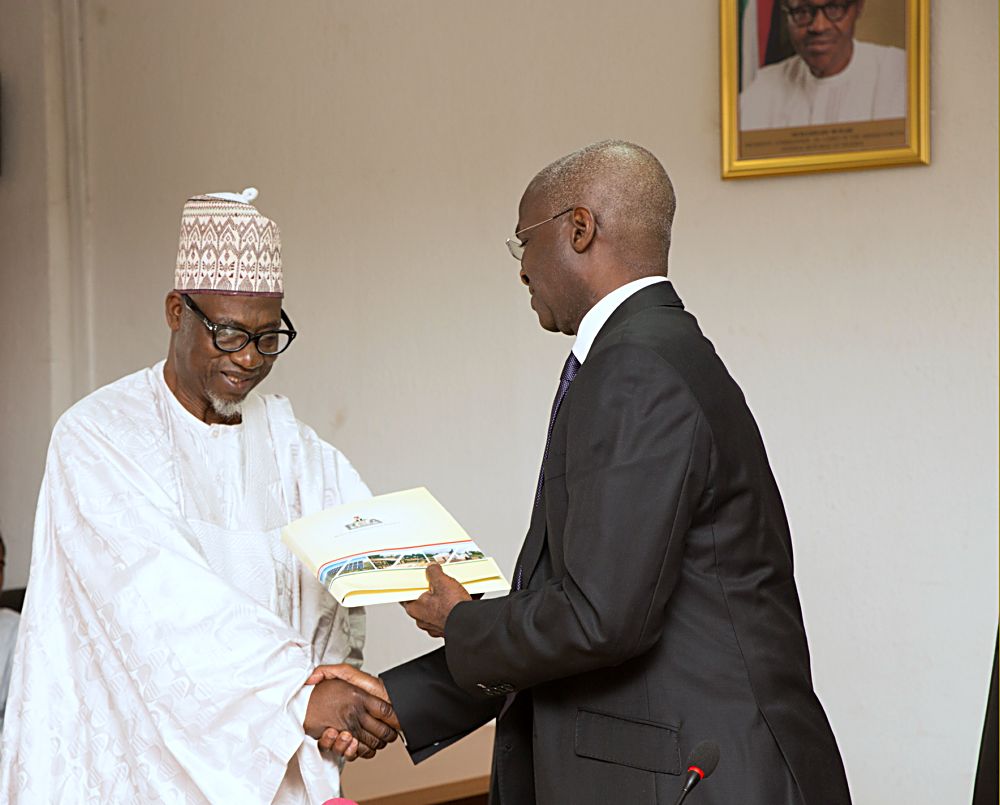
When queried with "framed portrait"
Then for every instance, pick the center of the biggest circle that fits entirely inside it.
(816, 85)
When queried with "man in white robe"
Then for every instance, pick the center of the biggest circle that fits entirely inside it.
(832, 78)
(167, 634)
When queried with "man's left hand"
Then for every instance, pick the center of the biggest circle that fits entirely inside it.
(432, 609)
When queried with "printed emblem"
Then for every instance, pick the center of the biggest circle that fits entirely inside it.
(361, 522)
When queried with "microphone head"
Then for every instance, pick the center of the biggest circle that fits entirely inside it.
(704, 758)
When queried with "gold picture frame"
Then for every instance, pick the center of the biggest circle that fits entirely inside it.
(828, 145)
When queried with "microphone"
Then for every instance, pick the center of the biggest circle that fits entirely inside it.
(701, 763)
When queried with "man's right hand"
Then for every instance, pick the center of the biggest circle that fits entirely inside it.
(339, 706)
(332, 740)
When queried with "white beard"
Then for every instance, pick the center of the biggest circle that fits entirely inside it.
(226, 409)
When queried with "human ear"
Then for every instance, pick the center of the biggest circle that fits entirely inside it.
(584, 229)
(174, 307)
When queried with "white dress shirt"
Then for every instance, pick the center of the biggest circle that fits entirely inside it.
(595, 318)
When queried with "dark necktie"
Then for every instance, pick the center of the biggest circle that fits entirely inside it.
(570, 368)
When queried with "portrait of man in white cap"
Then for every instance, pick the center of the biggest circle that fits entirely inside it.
(167, 635)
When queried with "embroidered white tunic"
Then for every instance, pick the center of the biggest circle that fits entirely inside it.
(787, 94)
(166, 632)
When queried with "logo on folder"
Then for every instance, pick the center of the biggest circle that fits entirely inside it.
(361, 522)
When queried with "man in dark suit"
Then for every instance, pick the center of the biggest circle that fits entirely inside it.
(654, 604)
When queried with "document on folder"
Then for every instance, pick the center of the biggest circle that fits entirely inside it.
(376, 551)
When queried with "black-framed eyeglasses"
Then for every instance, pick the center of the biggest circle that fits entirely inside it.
(805, 14)
(230, 338)
(514, 243)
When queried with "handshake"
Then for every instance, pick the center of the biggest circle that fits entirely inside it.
(349, 711)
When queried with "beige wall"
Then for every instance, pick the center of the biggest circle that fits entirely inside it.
(25, 390)
(391, 141)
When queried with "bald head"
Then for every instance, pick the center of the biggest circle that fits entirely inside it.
(629, 193)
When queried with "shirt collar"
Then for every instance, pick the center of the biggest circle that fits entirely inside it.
(595, 318)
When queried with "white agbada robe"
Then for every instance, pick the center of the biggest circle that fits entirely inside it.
(787, 94)
(166, 632)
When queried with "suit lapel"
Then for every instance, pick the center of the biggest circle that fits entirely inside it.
(658, 295)
(531, 551)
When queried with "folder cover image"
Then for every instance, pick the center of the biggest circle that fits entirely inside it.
(376, 551)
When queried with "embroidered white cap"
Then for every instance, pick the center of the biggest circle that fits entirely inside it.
(226, 246)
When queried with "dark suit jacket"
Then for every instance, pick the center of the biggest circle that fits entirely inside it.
(660, 607)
